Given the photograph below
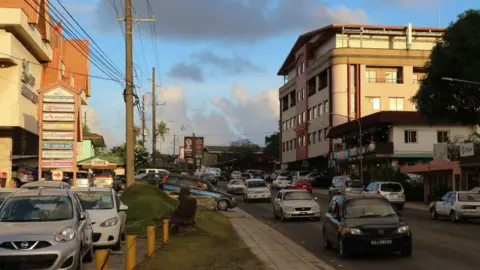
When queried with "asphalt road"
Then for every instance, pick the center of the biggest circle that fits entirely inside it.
(437, 245)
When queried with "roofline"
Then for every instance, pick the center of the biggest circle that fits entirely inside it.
(330, 27)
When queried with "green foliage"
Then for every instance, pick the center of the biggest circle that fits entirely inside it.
(272, 145)
(458, 57)
(244, 151)
(141, 155)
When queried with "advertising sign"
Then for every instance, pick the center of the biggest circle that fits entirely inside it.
(57, 154)
(48, 135)
(57, 175)
(62, 117)
(199, 147)
(47, 107)
(181, 153)
(467, 149)
(98, 162)
(58, 126)
(57, 164)
(188, 146)
(57, 145)
(59, 95)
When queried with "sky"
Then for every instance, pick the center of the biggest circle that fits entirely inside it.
(216, 60)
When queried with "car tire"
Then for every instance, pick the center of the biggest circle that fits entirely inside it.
(275, 216)
(89, 256)
(282, 216)
(222, 205)
(453, 216)
(326, 243)
(406, 252)
(118, 245)
(245, 199)
(433, 214)
(342, 251)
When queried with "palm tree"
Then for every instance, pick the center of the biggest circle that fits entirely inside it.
(161, 130)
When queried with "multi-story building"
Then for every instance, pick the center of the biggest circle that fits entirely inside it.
(339, 73)
(32, 55)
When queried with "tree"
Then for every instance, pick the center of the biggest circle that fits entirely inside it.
(140, 154)
(457, 56)
(272, 145)
(244, 151)
(161, 130)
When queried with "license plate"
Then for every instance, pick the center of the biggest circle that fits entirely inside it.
(381, 242)
(303, 213)
(393, 196)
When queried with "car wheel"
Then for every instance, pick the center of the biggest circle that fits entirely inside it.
(275, 216)
(245, 199)
(326, 243)
(406, 252)
(342, 251)
(222, 205)
(118, 244)
(282, 216)
(453, 216)
(433, 214)
(89, 256)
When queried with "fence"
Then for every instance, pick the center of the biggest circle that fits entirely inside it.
(102, 256)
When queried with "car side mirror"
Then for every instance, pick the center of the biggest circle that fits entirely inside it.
(123, 207)
(83, 216)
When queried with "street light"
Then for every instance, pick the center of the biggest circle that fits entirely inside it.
(359, 140)
(458, 80)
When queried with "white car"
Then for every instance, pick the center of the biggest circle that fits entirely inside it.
(281, 182)
(256, 189)
(392, 191)
(236, 186)
(5, 192)
(82, 179)
(457, 205)
(46, 184)
(108, 215)
(295, 203)
(236, 175)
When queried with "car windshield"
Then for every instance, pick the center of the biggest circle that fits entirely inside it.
(82, 175)
(294, 196)
(303, 173)
(236, 182)
(256, 184)
(36, 209)
(366, 208)
(469, 197)
(354, 184)
(94, 200)
(339, 182)
(4, 195)
(391, 187)
(236, 172)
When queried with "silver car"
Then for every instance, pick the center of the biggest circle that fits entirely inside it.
(44, 229)
(5, 192)
(295, 203)
(46, 184)
(344, 185)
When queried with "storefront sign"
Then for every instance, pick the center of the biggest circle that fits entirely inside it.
(62, 117)
(467, 149)
(98, 162)
(58, 126)
(29, 94)
(57, 135)
(58, 107)
(28, 81)
(57, 145)
(57, 175)
(57, 154)
(59, 96)
(353, 152)
(57, 164)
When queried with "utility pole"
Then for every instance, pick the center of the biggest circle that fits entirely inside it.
(174, 143)
(154, 120)
(128, 94)
(194, 150)
(143, 121)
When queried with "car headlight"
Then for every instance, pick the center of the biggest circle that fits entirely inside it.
(65, 235)
(288, 208)
(110, 222)
(352, 231)
(403, 229)
(234, 199)
(316, 207)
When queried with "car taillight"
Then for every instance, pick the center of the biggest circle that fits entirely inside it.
(402, 195)
(27, 173)
(469, 207)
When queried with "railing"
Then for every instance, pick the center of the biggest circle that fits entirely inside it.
(385, 80)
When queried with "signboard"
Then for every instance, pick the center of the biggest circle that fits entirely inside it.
(58, 126)
(440, 151)
(188, 146)
(48, 135)
(28, 81)
(57, 175)
(57, 164)
(47, 107)
(467, 149)
(59, 96)
(98, 162)
(65, 117)
(29, 94)
(57, 145)
(199, 147)
(57, 154)
(181, 153)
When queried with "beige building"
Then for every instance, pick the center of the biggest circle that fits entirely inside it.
(340, 73)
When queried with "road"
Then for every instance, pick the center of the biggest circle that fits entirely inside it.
(437, 245)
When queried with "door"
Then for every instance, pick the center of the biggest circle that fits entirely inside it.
(83, 226)
(277, 203)
(450, 203)
(440, 205)
(330, 222)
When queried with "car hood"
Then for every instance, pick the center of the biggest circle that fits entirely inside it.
(33, 228)
(263, 189)
(98, 216)
(223, 193)
(374, 222)
(300, 203)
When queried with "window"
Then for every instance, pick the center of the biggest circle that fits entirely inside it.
(371, 76)
(299, 70)
(320, 109)
(291, 122)
(322, 80)
(315, 112)
(283, 147)
(303, 67)
(304, 138)
(326, 109)
(62, 69)
(442, 136)
(303, 93)
(375, 103)
(310, 116)
(291, 144)
(415, 77)
(320, 135)
(396, 104)
(314, 137)
(309, 139)
(325, 133)
(304, 117)
(287, 148)
(299, 96)
(391, 77)
(410, 136)
(299, 144)
(353, 76)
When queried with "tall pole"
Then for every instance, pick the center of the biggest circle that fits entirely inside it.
(194, 150)
(143, 122)
(154, 120)
(360, 141)
(174, 143)
(130, 137)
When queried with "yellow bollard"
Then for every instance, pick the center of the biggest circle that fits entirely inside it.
(165, 231)
(131, 252)
(101, 259)
(151, 241)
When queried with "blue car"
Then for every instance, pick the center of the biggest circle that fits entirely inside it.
(198, 187)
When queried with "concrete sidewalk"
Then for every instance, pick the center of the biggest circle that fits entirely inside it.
(408, 205)
(274, 249)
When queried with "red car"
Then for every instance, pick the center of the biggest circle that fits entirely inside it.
(301, 184)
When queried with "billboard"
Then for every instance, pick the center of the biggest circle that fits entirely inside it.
(48, 135)
(57, 164)
(57, 154)
(188, 147)
(57, 145)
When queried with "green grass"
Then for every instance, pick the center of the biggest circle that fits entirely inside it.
(214, 245)
(147, 205)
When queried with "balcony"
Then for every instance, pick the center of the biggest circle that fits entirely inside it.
(385, 80)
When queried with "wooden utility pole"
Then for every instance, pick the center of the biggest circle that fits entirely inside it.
(143, 121)
(129, 124)
(174, 143)
(194, 152)
(154, 120)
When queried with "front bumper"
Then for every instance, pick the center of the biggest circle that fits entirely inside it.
(469, 214)
(302, 214)
(235, 190)
(258, 196)
(361, 243)
(105, 236)
(280, 185)
(64, 256)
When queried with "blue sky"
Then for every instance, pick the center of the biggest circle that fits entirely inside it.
(218, 59)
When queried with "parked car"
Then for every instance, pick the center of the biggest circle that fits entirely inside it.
(235, 175)
(198, 187)
(107, 213)
(5, 192)
(300, 174)
(300, 184)
(120, 183)
(150, 170)
(281, 182)
(46, 184)
(245, 176)
(104, 178)
(82, 179)
(44, 229)
(291, 203)
(319, 179)
(236, 186)
(392, 191)
(475, 189)
(365, 222)
(457, 205)
(344, 185)
(256, 189)
(210, 177)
